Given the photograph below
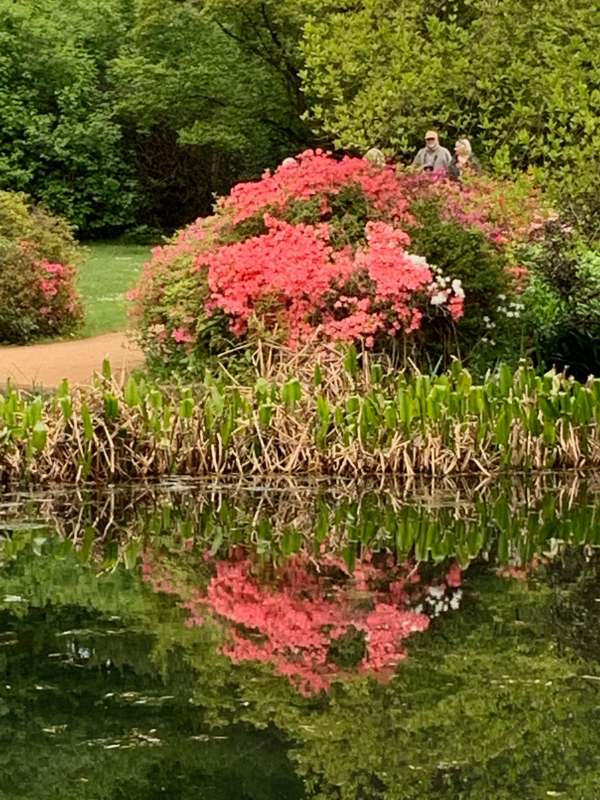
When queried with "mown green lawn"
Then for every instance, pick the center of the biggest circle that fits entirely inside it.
(109, 271)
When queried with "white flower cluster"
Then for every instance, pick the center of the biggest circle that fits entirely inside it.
(438, 600)
(441, 288)
(511, 309)
(489, 325)
(418, 261)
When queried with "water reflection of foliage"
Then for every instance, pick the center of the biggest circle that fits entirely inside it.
(96, 692)
(498, 701)
(574, 609)
(509, 522)
(485, 708)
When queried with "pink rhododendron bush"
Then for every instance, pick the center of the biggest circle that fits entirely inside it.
(312, 620)
(37, 273)
(328, 250)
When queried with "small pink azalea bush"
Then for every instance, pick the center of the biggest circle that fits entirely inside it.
(38, 296)
(317, 252)
(313, 621)
(508, 213)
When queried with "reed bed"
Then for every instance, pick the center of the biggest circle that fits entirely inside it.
(328, 417)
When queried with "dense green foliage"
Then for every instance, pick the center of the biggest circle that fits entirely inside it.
(59, 138)
(522, 80)
(201, 104)
(138, 113)
(466, 254)
(37, 272)
(563, 301)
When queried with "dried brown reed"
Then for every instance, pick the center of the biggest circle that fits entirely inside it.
(303, 414)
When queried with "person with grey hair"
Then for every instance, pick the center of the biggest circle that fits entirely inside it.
(433, 157)
(463, 161)
(375, 157)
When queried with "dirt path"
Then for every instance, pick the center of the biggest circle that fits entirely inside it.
(45, 365)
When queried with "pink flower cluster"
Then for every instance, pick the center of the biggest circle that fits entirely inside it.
(290, 268)
(504, 211)
(313, 173)
(294, 278)
(56, 284)
(184, 244)
(53, 276)
(58, 270)
(293, 621)
(182, 336)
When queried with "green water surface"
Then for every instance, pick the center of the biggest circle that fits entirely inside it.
(128, 618)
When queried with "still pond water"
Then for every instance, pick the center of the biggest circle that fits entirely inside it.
(325, 641)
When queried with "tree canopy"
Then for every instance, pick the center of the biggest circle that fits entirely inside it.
(138, 111)
(522, 80)
(142, 112)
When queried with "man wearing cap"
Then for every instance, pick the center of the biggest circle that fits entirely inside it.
(433, 157)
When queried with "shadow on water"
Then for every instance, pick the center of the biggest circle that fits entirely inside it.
(333, 641)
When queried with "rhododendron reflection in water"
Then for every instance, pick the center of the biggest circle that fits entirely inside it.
(309, 610)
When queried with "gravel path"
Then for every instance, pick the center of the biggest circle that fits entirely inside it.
(45, 365)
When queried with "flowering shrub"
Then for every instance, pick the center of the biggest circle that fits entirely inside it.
(478, 229)
(314, 624)
(323, 250)
(311, 290)
(169, 300)
(507, 213)
(37, 273)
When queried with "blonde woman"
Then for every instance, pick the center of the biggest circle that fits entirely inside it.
(463, 161)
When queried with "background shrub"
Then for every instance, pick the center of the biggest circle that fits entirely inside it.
(485, 333)
(169, 303)
(37, 272)
(562, 301)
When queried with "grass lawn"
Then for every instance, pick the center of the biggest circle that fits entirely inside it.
(109, 271)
